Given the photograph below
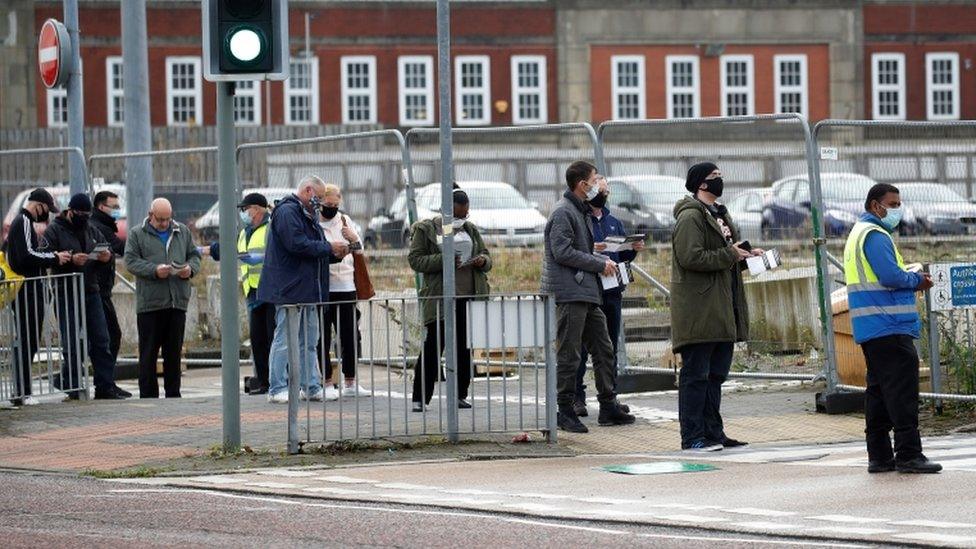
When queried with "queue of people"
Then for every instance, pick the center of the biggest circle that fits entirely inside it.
(302, 254)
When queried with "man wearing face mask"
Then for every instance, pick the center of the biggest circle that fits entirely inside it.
(104, 218)
(881, 294)
(708, 306)
(570, 273)
(604, 225)
(472, 263)
(162, 256)
(251, 243)
(28, 259)
(296, 272)
(72, 232)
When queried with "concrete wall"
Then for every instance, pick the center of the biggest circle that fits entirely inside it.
(18, 70)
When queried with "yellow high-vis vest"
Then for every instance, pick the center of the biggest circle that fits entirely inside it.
(251, 274)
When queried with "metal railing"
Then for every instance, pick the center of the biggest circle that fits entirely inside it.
(43, 344)
(506, 369)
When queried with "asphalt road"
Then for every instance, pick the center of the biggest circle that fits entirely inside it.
(62, 511)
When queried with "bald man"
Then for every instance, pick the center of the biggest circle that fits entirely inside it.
(162, 256)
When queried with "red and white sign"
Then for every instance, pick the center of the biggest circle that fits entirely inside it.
(53, 53)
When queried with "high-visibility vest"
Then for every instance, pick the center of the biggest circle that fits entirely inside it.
(251, 274)
(876, 310)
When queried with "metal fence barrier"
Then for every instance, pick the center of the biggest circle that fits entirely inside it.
(509, 359)
(43, 345)
(933, 164)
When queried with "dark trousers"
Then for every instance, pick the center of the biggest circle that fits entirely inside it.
(704, 368)
(114, 329)
(69, 320)
(262, 325)
(578, 322)
(344, 320)
(29, 313)
(428, 364)
(161, 329)
(613, 309)
(891, 398)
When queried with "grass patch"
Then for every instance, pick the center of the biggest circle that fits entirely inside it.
(136, 472)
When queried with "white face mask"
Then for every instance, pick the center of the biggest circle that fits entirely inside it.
(594, 190)
(458, 223)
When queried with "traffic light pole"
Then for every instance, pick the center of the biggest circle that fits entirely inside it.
(230, 336)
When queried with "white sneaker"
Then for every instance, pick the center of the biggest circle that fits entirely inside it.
(278, 398)
(331, 393)
(355, 391)
(29, 401)
(316, 396)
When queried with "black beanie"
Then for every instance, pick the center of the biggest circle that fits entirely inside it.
(697, 175)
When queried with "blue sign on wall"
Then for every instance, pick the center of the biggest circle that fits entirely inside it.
(963, 284)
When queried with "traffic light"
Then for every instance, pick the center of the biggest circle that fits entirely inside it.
(245, 39)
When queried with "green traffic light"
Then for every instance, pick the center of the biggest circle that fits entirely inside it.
(246, 44)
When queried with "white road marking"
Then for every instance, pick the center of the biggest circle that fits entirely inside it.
(691, 518)
(332, 490)
(759, 512)
(934, 524)
(218, 479)
(766, 525)
(847, 519)
(937, 538)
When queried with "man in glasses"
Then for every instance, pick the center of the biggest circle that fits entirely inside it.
(105, 219)
(71, 231)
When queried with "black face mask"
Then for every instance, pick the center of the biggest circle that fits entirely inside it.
(599, 201)
(79, 222)
(329, 212)
(714, 186)
(44, 217)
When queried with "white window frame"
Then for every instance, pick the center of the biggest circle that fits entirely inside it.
(427, 91)
(877, 88)
(484, 90)
(56, 94)
(255, 94)
(196, 93)
(541, 90)
(694, 89)
(347, 93)
(931, 87)
(802, 88)
(312, 93)
(111, 93)
(749, 89)
(616, 90)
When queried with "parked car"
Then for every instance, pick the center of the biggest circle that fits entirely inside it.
(938, 209)
(746, 208)
(501, 213)
(62, 194)
(645, 203)
(787, 214)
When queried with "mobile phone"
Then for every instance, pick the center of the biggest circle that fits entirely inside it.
(745, 245)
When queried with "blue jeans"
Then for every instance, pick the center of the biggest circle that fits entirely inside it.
(308, 338)
(613, 309)
(704, 368)
(103, 365)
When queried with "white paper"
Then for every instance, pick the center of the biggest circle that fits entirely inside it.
(761, 263)
(617, 247)
(609, 282)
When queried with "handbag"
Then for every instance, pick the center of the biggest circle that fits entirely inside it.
(10, 282)
(360, 274)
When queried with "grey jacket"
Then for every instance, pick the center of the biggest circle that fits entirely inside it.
(570, 271)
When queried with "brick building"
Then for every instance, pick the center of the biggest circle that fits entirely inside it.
(534, 61)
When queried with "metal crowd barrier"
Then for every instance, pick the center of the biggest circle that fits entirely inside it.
(512, 369)
(37, 356)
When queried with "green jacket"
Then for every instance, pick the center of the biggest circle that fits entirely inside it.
(703, 264)
(425, 258)
(144, 251)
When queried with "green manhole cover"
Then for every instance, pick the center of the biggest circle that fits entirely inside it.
(659, 468)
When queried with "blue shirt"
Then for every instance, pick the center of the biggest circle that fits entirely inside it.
(608, 225)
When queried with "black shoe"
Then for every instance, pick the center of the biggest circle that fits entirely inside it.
(463, 404)
(881, 466)
(623, 407)
(611, 414)
(732, 443)
(921, 464)
(108, 394)
(580, 408)
(567, 420)
(122, 392)
(259, 391)
(418, 407)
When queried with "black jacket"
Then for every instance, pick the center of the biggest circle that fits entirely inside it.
(109, 230)
(61, 236)
(26, 255)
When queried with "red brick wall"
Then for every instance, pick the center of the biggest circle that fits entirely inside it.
(818, 77)
(919, 19)
(915, 100)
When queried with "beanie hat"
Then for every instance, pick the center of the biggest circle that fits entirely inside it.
(697, 175)
(80, 202)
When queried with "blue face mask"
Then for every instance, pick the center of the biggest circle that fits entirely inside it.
(116, 214)
(892, 218)
(245, 217)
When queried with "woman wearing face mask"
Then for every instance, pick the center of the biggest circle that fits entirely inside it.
(472, 265)
(708, 307)
(343, 318)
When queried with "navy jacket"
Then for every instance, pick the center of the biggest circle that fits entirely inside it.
(297, 257)
(608, 225)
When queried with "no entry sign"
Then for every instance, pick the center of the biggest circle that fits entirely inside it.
(54, 53)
